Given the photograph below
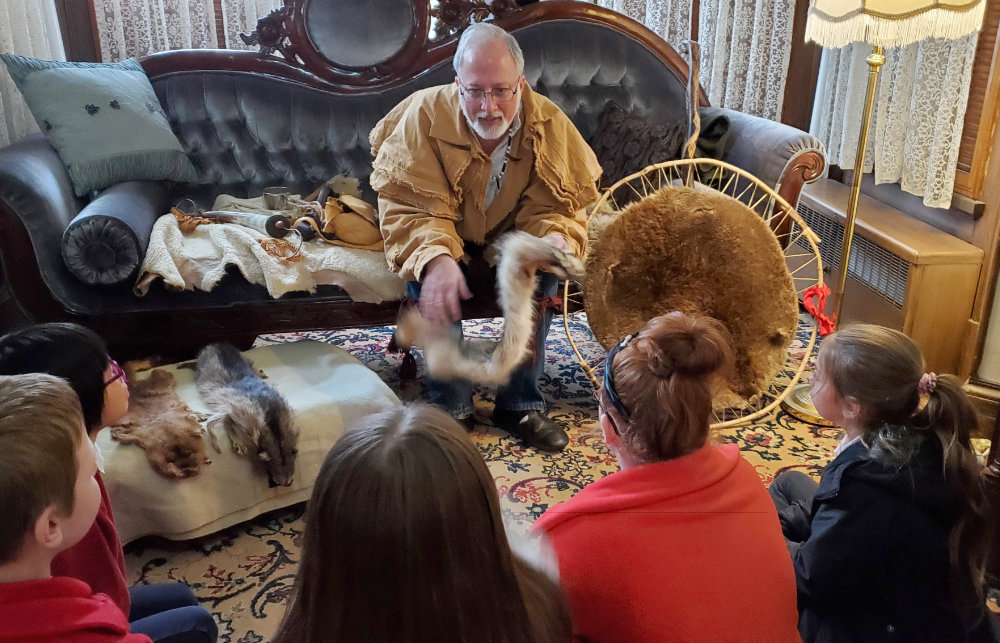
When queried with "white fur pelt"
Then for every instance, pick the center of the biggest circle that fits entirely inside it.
(487, 362)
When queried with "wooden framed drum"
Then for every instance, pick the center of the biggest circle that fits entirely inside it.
(705, 237)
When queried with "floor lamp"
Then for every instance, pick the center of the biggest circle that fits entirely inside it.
(880, 23)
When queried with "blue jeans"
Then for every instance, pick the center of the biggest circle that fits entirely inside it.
(522, 392)
(169, 613)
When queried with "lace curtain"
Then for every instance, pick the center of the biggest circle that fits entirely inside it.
(917, 119)
(670, 19)
(28, 28)
(745, 45)
(128, 28)
(240, 16)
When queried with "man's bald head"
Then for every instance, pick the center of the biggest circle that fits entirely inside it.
(480, 33)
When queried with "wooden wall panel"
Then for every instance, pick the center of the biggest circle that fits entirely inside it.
(79, 30)
(981, 113)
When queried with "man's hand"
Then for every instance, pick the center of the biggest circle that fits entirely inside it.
(441, 291)
(558, 241)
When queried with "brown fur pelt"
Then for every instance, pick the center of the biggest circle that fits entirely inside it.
(521, 256)
(699, 252)
(162, 425)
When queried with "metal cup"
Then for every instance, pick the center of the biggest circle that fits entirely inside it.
(276, 198)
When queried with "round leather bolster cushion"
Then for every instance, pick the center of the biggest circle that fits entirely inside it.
(106, 242)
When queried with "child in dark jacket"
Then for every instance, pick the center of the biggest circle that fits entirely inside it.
(890, 546)
(49, 498)
(164, 612)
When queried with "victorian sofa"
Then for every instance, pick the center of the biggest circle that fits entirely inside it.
(298, 113)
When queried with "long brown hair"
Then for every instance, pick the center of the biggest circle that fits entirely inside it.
(881, 368)
(665, 378)
(404, 542)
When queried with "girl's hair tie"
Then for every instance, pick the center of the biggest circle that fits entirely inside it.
(928, 382)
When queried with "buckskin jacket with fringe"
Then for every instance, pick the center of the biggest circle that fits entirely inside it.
(430, 174)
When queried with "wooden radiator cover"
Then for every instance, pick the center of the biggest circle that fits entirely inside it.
(903, 273)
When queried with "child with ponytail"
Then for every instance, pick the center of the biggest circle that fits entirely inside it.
(890, 546)
(682, 544)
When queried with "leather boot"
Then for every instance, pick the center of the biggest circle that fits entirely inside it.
(533, 428)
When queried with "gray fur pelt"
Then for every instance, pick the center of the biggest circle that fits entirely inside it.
(253, 414)
(521, 256)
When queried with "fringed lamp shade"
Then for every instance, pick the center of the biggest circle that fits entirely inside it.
(891, 23)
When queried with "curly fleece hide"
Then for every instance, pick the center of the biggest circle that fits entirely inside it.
(698, 252)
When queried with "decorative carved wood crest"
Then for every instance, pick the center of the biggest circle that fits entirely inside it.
(446, 18)
(451, 16)
(365, 45)
(271, 35)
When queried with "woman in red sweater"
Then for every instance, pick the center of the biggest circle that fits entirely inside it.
(682, 544)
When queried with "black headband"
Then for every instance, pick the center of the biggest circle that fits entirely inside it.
(610, 392)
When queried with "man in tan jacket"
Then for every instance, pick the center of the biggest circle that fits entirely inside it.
(456, 166)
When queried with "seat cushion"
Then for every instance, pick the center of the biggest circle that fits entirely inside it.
(327, 390)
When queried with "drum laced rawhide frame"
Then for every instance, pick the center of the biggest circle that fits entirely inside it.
(797, 243)
(792, 233)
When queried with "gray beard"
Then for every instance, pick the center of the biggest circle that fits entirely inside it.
(487, 133)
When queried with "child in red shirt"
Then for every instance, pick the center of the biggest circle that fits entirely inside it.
(49, 498)
(79, 356)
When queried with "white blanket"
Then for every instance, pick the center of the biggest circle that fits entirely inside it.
(199, 259)
(328, 391)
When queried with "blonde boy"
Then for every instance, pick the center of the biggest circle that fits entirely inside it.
(48, 501)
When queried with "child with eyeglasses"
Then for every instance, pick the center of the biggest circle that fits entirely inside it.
(79, 356)
(671, 547)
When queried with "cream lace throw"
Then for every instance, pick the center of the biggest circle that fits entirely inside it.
(918, 116)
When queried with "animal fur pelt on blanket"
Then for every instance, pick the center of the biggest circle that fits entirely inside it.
(521, 256)
(162, 425)
(199, 260)
(252, 413)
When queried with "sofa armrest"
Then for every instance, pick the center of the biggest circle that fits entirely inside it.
(35, 188)
(106, 242)
(782, 156)
(36, 205)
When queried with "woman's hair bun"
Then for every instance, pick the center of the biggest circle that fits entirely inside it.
(689, 346)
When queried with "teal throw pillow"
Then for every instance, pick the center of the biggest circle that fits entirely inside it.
(104, 120)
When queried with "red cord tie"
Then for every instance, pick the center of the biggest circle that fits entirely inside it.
(814, 301)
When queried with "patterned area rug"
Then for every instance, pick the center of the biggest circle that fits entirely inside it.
(243, 575)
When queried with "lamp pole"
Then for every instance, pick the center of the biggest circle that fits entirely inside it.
(875, 61)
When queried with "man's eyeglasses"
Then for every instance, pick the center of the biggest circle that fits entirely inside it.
(116, 373)
(476, 95)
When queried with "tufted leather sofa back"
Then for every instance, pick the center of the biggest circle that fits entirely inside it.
(246, 131)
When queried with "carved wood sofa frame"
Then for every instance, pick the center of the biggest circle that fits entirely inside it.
(326, 47)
